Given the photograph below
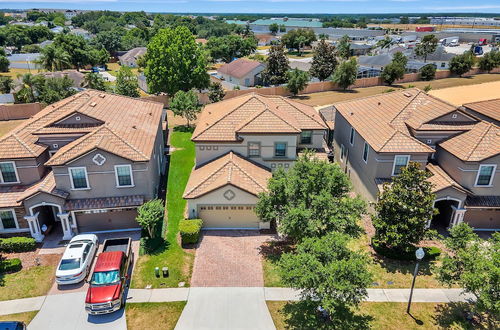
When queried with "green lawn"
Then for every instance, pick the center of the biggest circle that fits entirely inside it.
(153, 316)
(172, 255)
(32, 282)
(19, 317)
(387, 316)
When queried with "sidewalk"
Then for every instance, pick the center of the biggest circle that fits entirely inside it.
(270, 294)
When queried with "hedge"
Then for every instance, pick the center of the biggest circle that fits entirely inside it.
(190, 230)
(10, 265)
(431, 253)
(17, 244)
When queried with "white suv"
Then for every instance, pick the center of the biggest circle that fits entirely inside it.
(77, 259)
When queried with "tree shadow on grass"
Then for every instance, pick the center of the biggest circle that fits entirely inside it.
(459, 315)
(184, 128)
(155, 246)
(401, 266)
(304, 315)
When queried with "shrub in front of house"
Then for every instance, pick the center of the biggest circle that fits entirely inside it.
(431, 253)
(190, 230)
(17, 244)
(10, 265)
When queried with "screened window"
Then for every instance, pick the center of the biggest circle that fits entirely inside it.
(485, 175)
(399, 163)
(253, 149)
(280, 149)
(365, 152)
(79, 178)
(306, 137)
(8, 172)
(8, 219)
(351, 137)
(124, 176)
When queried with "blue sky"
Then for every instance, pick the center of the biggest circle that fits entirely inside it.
(268, 6)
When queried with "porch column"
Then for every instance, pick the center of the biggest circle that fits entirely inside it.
(458, 216)
(66, 226)
(34, 225)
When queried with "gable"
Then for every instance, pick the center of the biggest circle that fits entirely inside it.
(454, 117)
(78, 118)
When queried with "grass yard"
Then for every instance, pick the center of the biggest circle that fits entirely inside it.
(19, 317)
(387, 316)
(32, 282)
(113, 69)
(7, 126)
(153, 316)
(178, 261)
(13, 73)
(325, 98)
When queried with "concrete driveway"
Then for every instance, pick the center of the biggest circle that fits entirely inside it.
(229, 258)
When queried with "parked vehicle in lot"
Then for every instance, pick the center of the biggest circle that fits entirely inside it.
(77, 259)
(106, 293)
(12, 325)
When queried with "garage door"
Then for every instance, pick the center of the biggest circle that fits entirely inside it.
(110, 220)
(229, 217)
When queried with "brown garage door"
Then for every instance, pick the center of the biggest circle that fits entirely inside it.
(229, 217)
(111, 220)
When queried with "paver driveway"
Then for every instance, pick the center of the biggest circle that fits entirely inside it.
(229, 258)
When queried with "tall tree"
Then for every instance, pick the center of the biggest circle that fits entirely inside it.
(474, 264)
(126, 82)
(276, 66)
(346, 73)
(403, 210)
(490, 61)
(94, 81)
(304, 206)
(343, 47)
(274, 28)
(427, 46)
(185, 104)
(54, 58)
(428, 72)
(110, 40)
(385, 43)
(299, 38)
(324, 61)
(45, 90)
(6, 84)
(216, 92)
(175, 61)
(461, 64)
(4, 63)
(227, 48)
(297, 80)
(396, 69)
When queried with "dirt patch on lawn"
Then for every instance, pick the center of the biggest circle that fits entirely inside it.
(33, 259)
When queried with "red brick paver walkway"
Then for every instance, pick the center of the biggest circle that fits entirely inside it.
(230, 259)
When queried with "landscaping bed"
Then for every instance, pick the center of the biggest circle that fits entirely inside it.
(153, 316)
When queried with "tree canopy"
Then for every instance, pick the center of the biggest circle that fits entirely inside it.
(346, 73)
(395, 70)
(276, 66)
(185, 104)
(460, 64)
(126, 83)
(227, 48)
(37, 88)
(427, 46)
(343, 47)
(94, 81)
(216, 92)
(297, 39)
(297, 80)
(324, 61)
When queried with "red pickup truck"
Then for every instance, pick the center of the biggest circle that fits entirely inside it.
(106, 293)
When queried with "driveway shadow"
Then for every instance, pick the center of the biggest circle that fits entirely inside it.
(106, 318)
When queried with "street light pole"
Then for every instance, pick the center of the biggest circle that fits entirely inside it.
(420, 255)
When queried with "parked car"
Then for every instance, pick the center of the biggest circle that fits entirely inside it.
(77, 259)
(12, 325)
(106, 293)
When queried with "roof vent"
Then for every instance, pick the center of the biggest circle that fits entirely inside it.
(102, 96)
(379, 103)
(407, 94)
(134, 127)
(93, 104)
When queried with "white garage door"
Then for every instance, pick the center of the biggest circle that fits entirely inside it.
(229, 217)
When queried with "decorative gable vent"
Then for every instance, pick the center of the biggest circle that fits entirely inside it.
(99, 159)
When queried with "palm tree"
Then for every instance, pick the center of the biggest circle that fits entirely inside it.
(385, 43)
(27, 92)
(54, 59)
(94, 81)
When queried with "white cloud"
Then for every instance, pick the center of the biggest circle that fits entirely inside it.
(457, 8)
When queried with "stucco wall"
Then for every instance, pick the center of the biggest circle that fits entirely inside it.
(29, 170)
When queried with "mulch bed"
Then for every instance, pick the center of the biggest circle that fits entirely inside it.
(32, 259)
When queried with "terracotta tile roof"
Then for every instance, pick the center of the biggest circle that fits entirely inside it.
(489, 108)
(229, 169)
(447, 126)
(481, 142)
(13, 196)
(483, 201)
(383, 119)
(328, 115)
(441, 180)
(239, 68)
(103, 203)
(254, 113)
(129, 127)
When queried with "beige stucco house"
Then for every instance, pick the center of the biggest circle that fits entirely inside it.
(376, 136)
(241, 72)
(83, 164)
(239, 142)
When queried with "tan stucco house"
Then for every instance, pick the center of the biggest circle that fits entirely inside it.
(376, 136)
(83, 164)
(241, 72)
(239, 142)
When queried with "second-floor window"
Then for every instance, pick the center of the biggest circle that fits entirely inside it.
(306, 137)
(400, 161)
(124, 176)
(365, 152)
(485, 175)
(280, 149)
(351, 136)
(8, 173)
(79, 178)
(253, 149)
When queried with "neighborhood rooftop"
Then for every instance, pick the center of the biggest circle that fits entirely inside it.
(239, 68)
(489, 108)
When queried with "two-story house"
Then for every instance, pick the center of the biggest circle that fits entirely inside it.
(376, 136)
(239, 142)
(83, 164)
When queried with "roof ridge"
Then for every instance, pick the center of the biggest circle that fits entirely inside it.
(259, 113)
(210, 175)
(493, 99)
(23, 144)
(404, 108)
(288, 101)
(376, 95)
(478, 142)
(248, 175)
(125, 141)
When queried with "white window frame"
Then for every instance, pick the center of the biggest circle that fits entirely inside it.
(15, 171)
(367, 147)
(71, 177)
(131, 176)
(352, 135)
(15, 221)
(394, 163)
(490, 184)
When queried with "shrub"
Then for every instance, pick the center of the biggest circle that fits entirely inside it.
(428, 72)
(190, 230)
(431, 253)
(150, 217)
(10, 265)
(17, 244)
(150, 245)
